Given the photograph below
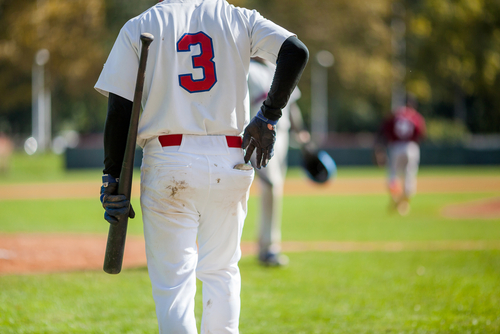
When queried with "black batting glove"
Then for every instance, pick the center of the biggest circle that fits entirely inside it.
(117, 207)
(261, 134)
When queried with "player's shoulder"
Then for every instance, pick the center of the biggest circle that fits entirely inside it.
(413, 113)
(167, 5)
(140, 18)
(249, 16)
(405, 112)
(419, 118)
(222, 5)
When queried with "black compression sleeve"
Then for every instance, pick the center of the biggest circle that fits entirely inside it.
(292, 59)
(115, 133)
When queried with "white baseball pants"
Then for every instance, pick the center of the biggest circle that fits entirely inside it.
(272, 180)
(194, 204)
(404, 159)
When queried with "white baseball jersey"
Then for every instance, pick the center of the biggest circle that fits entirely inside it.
(196, 76)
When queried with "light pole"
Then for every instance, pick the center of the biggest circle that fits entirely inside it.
(398, 30)
(41, 103)
(41, 118)
(319, 96)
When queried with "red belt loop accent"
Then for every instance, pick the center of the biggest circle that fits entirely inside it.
(176, 140)
(234, 141)
(170, 140)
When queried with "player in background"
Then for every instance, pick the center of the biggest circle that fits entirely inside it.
(195, 179)
(272, 178)
(397, 147)
(6, 149)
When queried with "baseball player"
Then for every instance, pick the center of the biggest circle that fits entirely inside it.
(400, 135)
(195, 179)
(272, 177)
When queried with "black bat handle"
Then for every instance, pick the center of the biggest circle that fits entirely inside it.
(117, 233)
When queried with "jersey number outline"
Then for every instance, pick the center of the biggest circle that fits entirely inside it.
(204, 61)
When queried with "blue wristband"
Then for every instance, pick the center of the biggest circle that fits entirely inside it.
(260, 115)
(107, 179)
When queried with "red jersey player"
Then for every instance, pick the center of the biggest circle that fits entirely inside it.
(400, 134)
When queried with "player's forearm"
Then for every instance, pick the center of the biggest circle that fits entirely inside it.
(297, 123)
(292, 59)
(115, 133)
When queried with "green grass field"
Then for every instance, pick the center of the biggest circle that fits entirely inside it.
(319, 292)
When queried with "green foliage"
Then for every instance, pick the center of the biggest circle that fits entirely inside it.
(119, 12)
(444, 131)
(454, 57)
(72, 31)
(358, 35)
(461, 38)
(452, 53)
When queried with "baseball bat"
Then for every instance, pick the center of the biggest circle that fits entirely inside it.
(117, 233)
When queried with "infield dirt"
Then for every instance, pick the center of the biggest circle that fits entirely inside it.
(344, 186)
(41, 253)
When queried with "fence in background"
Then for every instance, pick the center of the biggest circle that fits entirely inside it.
(430, 155)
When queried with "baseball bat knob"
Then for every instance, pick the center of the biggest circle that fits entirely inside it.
(147, 38)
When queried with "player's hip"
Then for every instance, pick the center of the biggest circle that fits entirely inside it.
(404, 147)
(204, 163)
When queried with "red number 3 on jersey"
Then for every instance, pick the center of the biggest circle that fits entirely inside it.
(203, 61)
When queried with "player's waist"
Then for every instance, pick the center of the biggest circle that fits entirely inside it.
(403, 141)
(402, 144)
(177, 140)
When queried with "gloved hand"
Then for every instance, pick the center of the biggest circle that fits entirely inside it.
(261, 134)
(117, 206)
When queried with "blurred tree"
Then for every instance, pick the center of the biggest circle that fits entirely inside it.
(357, 33)
(118, 12)
(453, 57)
(454, 60)
(446, 131)
(71, 31)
